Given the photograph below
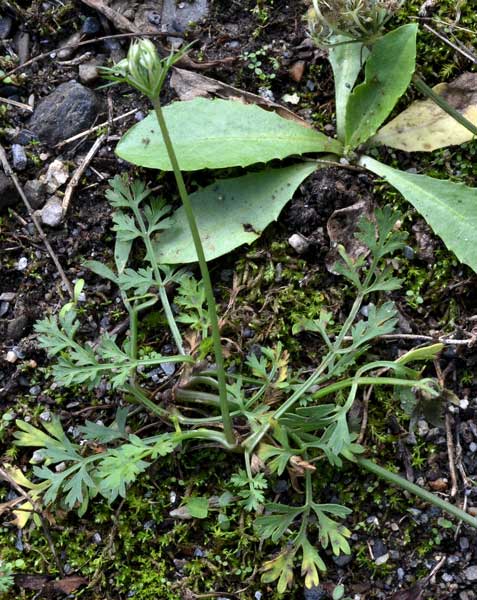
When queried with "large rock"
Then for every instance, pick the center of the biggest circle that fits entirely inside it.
(70, 109)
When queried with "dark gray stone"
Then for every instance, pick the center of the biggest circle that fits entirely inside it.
(342, 560)
(91, 26)
(8, 193)
(314, 593)
(24, 137)
(17, 327)
(70, 109)
(35, 193)
(5, 27)
(19, 157)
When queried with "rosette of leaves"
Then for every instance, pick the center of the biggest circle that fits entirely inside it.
(371, 75)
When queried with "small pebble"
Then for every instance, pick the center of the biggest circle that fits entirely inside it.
(88, 73)
(342, 560)
(439, 485)
(91, 26)
(97, 539)
(464, 543)
(382, 559)
(266, 94)
(4, 308)
(364, 310)
(37, 457)
(447, 577)
(52, 213)
(408, 252)
(296, 70)
(46, 416)
(400, 573)
(22, 263)
(34, 191)
(7, 297)
(473, 447)
(168, 368)
(35, 390)
(154, 18)
(71, 42)
(56, 175)
(299, 243)
(60, 467)
(19, 158)
(470, 573)
(11, 357)
(139, 116)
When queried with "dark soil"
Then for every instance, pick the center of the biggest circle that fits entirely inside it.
(396, 540)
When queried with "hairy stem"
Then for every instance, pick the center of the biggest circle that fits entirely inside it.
(214, 321)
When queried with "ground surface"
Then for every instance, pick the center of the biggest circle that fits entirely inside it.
(134, 548)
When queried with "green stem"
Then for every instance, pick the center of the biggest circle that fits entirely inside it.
(414, 489)
(439, 100)
(160, 284)
(214, 321)
(197, 397)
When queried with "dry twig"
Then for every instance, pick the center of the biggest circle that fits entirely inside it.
(17, 104)
(75, 179)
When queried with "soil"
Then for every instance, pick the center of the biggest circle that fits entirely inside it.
(397, 541)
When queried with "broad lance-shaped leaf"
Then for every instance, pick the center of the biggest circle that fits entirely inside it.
(424, 126)
(449, 208)
(346, 57)
(388, 72)
(215, 134)
(230, 213)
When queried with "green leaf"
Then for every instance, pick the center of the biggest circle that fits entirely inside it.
(100, 269)
(119, 468)
(338, 592)
(214, 134)
(275, 525)
(198, 507)
(346, 61)
(426, 353)
(388, 72)
(449, 208)
(281, 568)
(122, 250)
(230, 213)
(381, 321)
(311, 563)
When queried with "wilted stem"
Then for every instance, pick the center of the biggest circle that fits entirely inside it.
(214, 321)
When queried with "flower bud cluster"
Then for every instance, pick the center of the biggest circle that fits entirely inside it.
(358, 19)
(143, 68)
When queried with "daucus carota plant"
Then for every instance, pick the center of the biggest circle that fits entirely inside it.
(288, 422)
